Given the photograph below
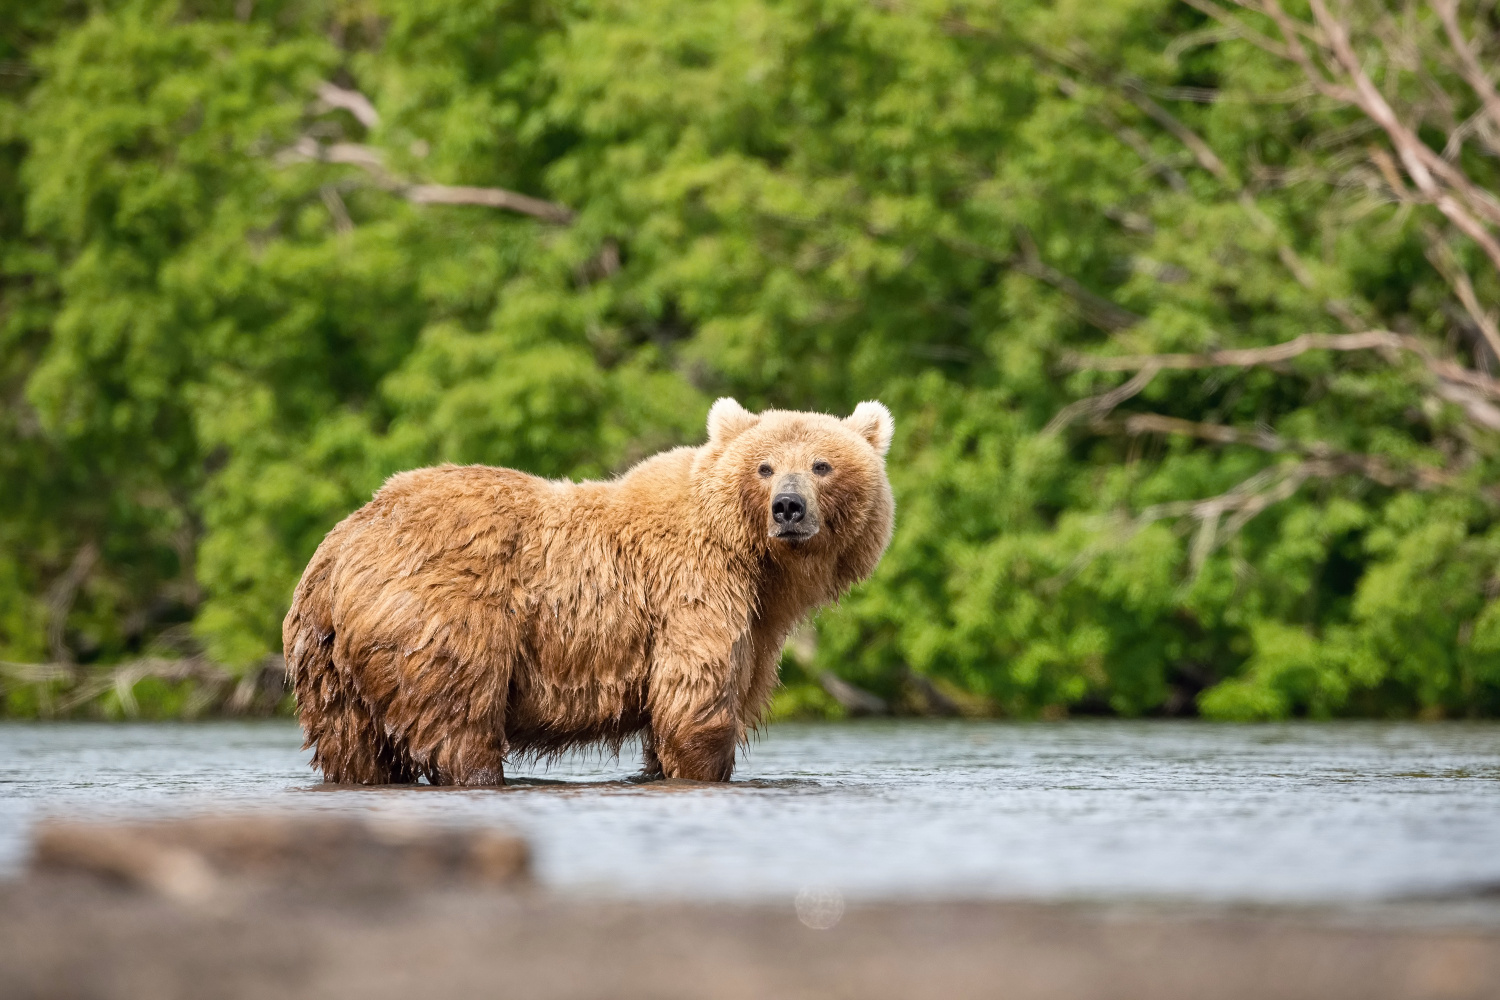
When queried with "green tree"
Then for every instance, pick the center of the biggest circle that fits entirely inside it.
(257, 256)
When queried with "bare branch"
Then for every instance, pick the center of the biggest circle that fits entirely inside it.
(336, 208)
(1250, 497)
(1095, 308)
(443, 194)
(1373, 339)
(1292, 32)
(1239, 29)
(1206, 157)
(257, 690)
(1473, 73)
(1245, 500)
(1202, 153)
(1439, 182)
(1283, 490)
(1447, 264)
(309, 150)
(1209, 161)
(372, 162)
(1474, 405)
(1194, 39)
(60, 597)
(1142, 148)
(1380, 340)
(1098, 406)
(1390, 174)
(1422, 164)
(331, 95)
(1443, 259)
(1471, 227)
(1157, 423)
(1372, 467)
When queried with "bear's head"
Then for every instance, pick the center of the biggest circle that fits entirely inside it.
(804, 482)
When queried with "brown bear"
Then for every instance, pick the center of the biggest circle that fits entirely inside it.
(470, 614)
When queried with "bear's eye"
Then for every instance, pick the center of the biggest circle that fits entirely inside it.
(765, 470)
(822, 468)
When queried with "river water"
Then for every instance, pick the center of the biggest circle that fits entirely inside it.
(1343, 813)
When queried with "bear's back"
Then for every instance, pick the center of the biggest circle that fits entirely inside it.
(446, 511)
(470, 519)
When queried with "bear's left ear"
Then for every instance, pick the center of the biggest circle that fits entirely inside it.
(727, 420)
(872, 421)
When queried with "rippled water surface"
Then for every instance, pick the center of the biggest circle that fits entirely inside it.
(1298, 813)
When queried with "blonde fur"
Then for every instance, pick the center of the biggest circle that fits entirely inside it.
(468, 615)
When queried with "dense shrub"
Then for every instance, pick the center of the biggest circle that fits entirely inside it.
(215, 340)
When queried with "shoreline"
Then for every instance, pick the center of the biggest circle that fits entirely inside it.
(76, 937)
(290, 906)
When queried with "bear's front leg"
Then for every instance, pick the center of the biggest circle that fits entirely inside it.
(699, 751)
(692, 699)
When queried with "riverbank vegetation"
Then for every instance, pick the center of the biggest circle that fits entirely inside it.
(1189, 314)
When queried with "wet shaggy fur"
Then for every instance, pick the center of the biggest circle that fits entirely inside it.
(468, 615)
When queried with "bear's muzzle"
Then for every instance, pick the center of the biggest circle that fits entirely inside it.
(794, 509)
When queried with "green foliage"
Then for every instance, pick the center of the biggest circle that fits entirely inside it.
(212, 349)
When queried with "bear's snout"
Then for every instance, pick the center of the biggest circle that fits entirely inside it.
(794, 511)
(788, 509)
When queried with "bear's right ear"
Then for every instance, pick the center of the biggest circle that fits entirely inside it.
(728, 420)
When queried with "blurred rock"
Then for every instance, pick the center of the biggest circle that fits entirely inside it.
(194, 859)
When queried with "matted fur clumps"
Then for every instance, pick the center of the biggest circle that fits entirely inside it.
(468, 615)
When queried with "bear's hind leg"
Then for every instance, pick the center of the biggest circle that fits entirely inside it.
(650, 761)
(473, 757)
(350, 747)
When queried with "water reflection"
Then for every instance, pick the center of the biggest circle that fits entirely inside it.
(1338, 812)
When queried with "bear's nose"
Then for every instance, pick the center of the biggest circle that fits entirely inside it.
(788, 508)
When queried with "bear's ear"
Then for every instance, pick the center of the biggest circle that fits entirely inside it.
(872, 421)
(728, 420)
